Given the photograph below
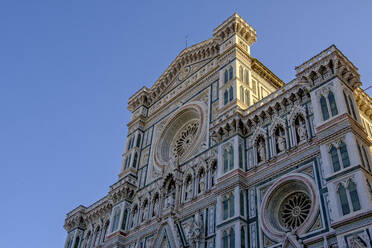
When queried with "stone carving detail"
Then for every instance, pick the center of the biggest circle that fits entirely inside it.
(195, 233)
(294, 210)
(184, 138)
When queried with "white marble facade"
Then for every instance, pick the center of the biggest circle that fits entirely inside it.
(222, 153)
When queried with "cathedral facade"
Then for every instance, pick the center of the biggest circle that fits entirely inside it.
(222, 153)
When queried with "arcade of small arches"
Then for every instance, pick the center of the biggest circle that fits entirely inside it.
(194, 184)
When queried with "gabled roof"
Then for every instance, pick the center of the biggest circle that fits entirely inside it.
(192, 54)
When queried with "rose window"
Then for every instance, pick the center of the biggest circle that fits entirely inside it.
(185, 138)
(181, 135)
(294, 210)
(291, 204)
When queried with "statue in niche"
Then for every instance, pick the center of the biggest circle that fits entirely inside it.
(145, 212)
(201, 185)
(169, 200)
(261, 156)
(201, 182)
(281, 143)
(301, 132)
(156, 207)
(194, 232)
(280, 139)
(134, 220)
(189, 191)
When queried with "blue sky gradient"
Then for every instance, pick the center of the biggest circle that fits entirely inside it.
(67, 69)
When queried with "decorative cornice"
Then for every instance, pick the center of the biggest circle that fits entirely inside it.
(265, 73)
(235, 24)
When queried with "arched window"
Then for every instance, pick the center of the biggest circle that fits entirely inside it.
(344, 155)
(89, 238)
(225, 240)
(323, 105)
(115, 222)
(241, 93)
(225, 97)
(134, 164)
(225, 206)
(343, 200)
(332, 103)
(335, 160)
(105, 230)
(354, 196)
(129, 158)
(246, 79)
(254, 86)
(69, 243)
(366, 159)
(232, 238)
(231, 205)
(124, 220)
(241, 156)
(231, 93)
(138, 140)
(241, 73)
(225, 161)
(126, 163)
(347, 103)
(360, 154)
(231, 73)
(246, 101)
(228, 206)
(241, 203)
(96, 237)
(242, 237)
(226, 76)
(77, 240)
(352, 108)
(231, 160)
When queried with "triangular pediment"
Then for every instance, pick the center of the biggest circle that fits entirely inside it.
(188, 61)
(166, 236)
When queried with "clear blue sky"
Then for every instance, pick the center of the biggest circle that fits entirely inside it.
(67, 69)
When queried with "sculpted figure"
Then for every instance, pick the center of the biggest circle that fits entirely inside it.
(170, 200)
(188, 191)
(261, 152)
(156, 207)
(301, 131)
(281, 143)
(145, 212)
(201, 185)
(196, 232)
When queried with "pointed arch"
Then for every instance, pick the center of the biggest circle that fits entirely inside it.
(225, 97)
(226, 76)
(324, 108)
(332, 103)
(231, 73)
(343, 199)
(334, 158)
(352, 188)
(241, 94)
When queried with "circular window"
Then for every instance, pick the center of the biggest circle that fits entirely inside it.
(181, 136)
(289, 205)
(294, 210)
(185, 137)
